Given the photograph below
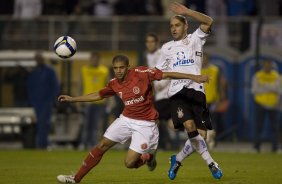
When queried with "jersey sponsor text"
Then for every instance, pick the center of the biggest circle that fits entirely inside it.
(185, 62)
(134, 101)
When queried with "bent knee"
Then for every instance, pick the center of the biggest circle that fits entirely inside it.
(203, 133)
(204, 136)
(130, 164)
(190, 125)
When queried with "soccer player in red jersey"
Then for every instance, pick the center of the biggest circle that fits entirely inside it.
(137, 121)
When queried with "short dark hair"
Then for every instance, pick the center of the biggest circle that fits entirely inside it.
(122, 58)
(95, 54)
(181, 18)
(154, 35)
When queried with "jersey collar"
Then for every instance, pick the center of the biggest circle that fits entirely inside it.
(184, 40)
(127, 77)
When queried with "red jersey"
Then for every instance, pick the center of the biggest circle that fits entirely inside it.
(135, 92)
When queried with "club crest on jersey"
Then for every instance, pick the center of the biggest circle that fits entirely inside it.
(180, 113)
(136, 90)
(182, 60)
(144, 146)
(185, 41)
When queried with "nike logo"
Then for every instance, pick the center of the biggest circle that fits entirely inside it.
(62, 42)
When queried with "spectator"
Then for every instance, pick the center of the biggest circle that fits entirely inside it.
(103, 8)
(27, 11)
(43, 88)
(93, 77)
(265, 88)
(216, 98)
(155, 7)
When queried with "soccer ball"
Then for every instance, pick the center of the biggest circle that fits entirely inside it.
(65, 47)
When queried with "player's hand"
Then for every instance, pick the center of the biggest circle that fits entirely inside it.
(178, 8)
(202, 79)
(64, 98)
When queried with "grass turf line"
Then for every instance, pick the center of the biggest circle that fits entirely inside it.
(42, 167)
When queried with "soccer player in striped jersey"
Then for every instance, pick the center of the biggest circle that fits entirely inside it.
(188, 101)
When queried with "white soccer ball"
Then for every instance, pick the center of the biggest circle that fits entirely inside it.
(65, 47)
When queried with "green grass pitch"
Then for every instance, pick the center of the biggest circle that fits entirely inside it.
(42, 167)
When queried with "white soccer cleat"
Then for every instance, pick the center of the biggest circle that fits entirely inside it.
(66, 179)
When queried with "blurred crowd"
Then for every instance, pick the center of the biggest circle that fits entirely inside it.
(105, 8)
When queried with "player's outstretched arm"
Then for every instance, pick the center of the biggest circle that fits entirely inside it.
(205, 20)
(176, 75)
(85, 98)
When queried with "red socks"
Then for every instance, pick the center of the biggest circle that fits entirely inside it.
(92, 159)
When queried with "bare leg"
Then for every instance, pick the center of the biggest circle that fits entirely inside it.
(136, 160)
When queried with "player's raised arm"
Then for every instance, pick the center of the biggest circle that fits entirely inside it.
(85, 98)
(205, 20)
(176, 75)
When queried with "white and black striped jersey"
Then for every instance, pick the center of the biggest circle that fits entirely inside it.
(183, 56)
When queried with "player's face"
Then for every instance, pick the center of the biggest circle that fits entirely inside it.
(267, 66)
(120, 69)
(178, 29)
(94, 61)
(151, 44)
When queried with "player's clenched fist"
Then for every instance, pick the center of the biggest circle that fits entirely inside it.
(204, 78)
(64, 98)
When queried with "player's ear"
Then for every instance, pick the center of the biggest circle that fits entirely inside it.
(186, 27)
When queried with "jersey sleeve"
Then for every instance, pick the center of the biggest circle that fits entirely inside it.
(200, 35)
(107, 91)
(152, 74)
(155, 74)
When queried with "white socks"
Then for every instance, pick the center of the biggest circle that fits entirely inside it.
(200, 146)
(185, 152)
(196, 143)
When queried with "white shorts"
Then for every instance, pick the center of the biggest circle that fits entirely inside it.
(144, 134)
